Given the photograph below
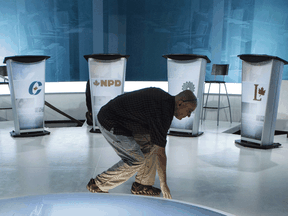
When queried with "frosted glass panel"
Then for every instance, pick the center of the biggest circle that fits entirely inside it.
(29, 86)
(255, 87)
(107, 81)
(183, 76)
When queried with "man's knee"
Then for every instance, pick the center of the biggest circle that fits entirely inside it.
(136, 161)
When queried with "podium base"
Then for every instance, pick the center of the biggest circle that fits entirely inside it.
(184, 134)
(30, 134)
(256, 145)
(95, 131)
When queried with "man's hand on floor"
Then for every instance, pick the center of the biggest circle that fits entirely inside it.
(166, 191)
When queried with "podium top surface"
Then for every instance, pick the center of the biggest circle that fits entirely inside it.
(26, 58)
(253, 58)
(106, 56)
(184, 57)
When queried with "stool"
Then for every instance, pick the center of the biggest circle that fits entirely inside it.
(217, 69)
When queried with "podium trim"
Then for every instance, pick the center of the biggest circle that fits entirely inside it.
(184, 134)
(30, 134)
(256, 145)
(106, 56)
(26, 59)
(259, 58)
(185, 57)
(95, 131)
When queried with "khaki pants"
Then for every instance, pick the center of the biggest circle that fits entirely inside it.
(137, 154)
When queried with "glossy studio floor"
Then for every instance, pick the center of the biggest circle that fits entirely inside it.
(209, 170)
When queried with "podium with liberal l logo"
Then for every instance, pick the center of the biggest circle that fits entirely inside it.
(261, 82)
(27, 89)
(107, 76)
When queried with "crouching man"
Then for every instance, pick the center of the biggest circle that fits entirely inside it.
(135, 124)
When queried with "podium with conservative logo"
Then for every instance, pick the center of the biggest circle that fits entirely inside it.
(187, 72)
(27, 84)
(107, 76)
(261, 82)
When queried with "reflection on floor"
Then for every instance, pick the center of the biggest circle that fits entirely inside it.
(209, 170)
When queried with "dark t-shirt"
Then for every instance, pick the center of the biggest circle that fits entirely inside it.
(145, 111)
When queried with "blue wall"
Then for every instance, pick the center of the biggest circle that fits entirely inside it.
(60, 29)
(220, 29)
(145, 30)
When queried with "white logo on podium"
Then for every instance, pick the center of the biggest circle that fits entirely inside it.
(188, 86)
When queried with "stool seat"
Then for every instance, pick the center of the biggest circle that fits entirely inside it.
(215, 81)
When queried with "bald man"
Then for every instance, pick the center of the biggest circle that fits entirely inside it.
(135, 124)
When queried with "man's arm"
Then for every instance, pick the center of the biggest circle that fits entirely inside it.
(161, 167)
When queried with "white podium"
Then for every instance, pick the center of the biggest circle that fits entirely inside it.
(261, 82)
(187, 71)
(27, 89)
(107, 76)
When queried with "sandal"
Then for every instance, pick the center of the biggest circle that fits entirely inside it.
(139, 189)
(92, 187)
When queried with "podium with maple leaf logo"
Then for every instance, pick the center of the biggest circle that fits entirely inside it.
(261, 82)
(187, 72)
(27, 84)
(107, 76)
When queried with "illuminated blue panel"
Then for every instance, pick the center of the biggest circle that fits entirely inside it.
(145, 30)
(101, 204)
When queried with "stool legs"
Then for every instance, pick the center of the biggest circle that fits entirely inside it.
(228, 103)
(218, 104)
(203, 117)
(205, 104)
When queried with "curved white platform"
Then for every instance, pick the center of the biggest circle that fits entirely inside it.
(100, 205)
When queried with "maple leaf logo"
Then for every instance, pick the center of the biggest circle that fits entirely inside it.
(96, 83)
(261, 91)
(35, 88)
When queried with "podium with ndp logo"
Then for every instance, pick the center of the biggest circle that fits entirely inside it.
(187, 72)
(261, 82)
(107, 76)
(27, 89)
